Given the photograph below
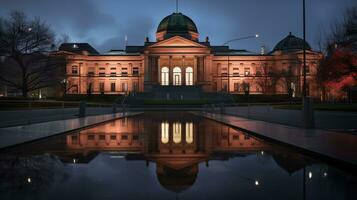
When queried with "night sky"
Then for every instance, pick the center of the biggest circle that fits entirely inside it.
(104, 23)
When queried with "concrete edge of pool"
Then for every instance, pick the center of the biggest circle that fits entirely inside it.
(332, 147)
(17, 135)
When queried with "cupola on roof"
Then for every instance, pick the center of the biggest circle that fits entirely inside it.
(177, 24)
(291, 42)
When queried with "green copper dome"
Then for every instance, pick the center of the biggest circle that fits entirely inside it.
(177, 23)
(291, 42)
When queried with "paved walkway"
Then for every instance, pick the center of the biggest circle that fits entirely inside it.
(20, 134)
(23, 117)
(332, 146)
(328, 120)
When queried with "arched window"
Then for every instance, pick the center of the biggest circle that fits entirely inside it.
(189, 76)
(189, 132)
(177, 132)
(177, 76)
(165, 76)
(164, 132)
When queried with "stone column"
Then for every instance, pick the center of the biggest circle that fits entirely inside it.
(195, 70)
(147, 71)
(158, 71)
(183, 71)
(170, 71)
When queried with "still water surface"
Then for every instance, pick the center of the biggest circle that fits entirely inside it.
(172, 155)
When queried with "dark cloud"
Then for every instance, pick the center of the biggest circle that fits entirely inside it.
(105, 23)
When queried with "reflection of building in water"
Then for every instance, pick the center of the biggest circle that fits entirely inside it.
(176, 144)
(123, 134)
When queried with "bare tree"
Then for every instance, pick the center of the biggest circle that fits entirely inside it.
(27, 45)
(288, 77)
(267, 82)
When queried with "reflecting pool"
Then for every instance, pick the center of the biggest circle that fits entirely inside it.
(166, 155)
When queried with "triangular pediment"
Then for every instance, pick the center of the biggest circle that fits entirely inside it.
(177, 41)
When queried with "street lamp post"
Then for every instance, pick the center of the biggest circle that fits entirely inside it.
(308, 111)
(236, 39)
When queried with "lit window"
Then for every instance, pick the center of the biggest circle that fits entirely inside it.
(246, 71)
(177, 76)
(189, 76)
(164, 76)
(177, 132)
(164, 132)
(189, 132)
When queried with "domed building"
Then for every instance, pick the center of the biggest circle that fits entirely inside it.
(178, 65)
(177, 24)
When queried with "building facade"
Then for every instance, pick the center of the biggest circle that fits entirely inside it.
(178, 59)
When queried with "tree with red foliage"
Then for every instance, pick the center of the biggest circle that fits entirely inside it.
(338, 70)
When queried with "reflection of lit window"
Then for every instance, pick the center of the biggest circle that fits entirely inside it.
(164, 132)
(177, 132)
(189, 132)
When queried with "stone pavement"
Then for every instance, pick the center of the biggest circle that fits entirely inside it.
(20, 134)
(337, 147)
(24, 117)
(328, 120)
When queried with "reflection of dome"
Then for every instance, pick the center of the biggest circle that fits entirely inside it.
(177, 24)
(290, 162)
(177, 180)
(291, 42)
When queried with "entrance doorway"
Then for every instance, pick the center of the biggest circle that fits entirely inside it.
(177, 76)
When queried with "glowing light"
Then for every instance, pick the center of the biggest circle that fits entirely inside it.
(262, 152)
(164, 132)
(325, 174)
(29, 29)
(256, 35)
(29, 180)
(310, 175)
(256, 182)
(74, 161)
